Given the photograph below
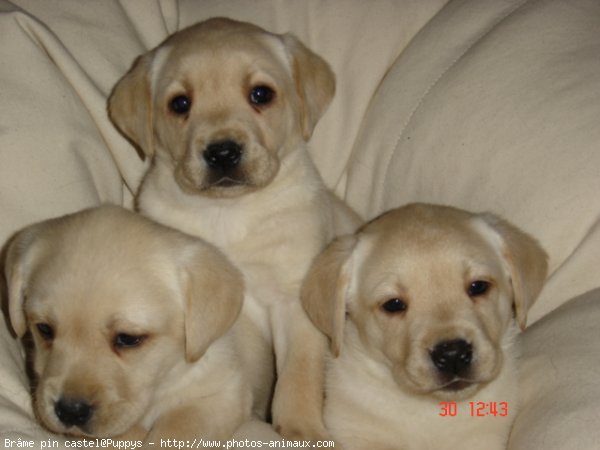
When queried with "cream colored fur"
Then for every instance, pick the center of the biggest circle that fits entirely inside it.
(271, 213)
(384, 386)
(105, 275)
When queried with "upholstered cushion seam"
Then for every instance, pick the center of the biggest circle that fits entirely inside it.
(453, 63)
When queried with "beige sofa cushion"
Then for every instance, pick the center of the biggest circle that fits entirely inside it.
(495, 106)
(559, 380)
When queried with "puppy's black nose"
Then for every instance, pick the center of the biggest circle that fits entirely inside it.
(223, 155)
(73, 412)
(452, 357)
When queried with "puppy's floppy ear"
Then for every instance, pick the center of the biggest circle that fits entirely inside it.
(527, 263)
(214, 294)
(130, 104)
(325, 289)
(17, 268)
(315, 83)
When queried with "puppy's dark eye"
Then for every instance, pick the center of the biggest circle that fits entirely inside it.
(394, 306)
(261, 95)
(478, 288)
(46, 331)
(180, 104)
(123, 340)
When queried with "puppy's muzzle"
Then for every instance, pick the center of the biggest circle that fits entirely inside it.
(452, 359)
(73, 412)
(223, 157)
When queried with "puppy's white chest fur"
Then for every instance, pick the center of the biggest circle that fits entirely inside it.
(271, 234)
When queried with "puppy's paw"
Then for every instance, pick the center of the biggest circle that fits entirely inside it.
(303, 431)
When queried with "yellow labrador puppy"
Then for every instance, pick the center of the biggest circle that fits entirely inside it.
(133, 333)
(224, 109)
(419, 309)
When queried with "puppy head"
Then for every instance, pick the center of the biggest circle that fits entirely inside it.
(221, 103)
(429, 292)
(113, 302)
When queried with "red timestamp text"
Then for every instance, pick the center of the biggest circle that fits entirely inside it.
(474, 409)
